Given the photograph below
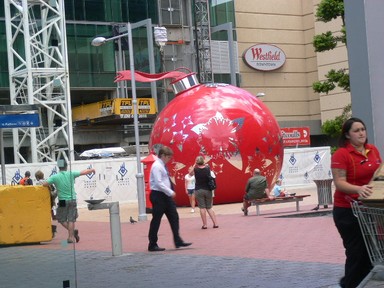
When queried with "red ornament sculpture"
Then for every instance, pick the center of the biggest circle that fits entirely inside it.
(229, 126)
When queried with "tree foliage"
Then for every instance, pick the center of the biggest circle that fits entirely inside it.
(333, 127)
(333, 78)
(328, 10)
(324, 42)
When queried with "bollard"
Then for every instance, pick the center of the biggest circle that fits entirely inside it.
(114, 218)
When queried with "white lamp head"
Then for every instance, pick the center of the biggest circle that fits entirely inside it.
(98, 41)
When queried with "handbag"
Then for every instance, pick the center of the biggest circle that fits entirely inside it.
(211, 183)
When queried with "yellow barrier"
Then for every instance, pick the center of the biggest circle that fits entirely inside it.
(25, 214)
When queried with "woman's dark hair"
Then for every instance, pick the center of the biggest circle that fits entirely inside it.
(345, 129)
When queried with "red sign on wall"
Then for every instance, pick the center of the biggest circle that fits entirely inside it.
(296, 136)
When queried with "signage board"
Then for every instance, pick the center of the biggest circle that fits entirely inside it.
(19, 120)
(296, 136)
(121, 107)
(145, 106)
(264, 57)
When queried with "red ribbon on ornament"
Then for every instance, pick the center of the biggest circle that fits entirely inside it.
(147, 77)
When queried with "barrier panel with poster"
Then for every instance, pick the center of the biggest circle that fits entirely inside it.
(115, 178)
(303, 165)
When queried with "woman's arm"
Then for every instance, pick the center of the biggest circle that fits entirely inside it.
(340, 180)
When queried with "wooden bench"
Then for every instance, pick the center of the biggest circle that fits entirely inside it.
(277, 200)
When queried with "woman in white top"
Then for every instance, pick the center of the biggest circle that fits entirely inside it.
(190, 188)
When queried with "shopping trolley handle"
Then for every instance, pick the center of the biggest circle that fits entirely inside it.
(352, 200)
(355, 205)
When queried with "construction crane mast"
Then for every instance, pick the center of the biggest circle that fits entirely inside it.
(39, 74)
(203, 41)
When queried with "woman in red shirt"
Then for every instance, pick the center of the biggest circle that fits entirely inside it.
(353, 166)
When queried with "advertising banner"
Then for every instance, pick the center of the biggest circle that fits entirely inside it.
(303, 165)
(296, 136)
(118, 107)
(115, 178)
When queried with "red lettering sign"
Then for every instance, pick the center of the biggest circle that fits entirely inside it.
(264, 57)
(296, 136)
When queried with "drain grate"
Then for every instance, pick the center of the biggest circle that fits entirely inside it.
(327, 213)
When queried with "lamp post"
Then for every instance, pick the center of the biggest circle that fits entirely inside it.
(161, 39)
(98, 41)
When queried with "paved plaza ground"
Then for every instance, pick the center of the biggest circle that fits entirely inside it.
(270, 250)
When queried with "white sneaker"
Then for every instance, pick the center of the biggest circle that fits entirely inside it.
(192, 210)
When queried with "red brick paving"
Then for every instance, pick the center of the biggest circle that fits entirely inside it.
(306, 239)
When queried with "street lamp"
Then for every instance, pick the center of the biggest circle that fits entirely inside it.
(98, 41)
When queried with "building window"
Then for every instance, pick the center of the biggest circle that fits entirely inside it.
(86, 10)
(171, 12)
(111, 10)
(222, 12)
(137, 10)
(90, 66)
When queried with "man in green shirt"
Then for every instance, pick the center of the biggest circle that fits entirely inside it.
(64, 182)
(256, 188)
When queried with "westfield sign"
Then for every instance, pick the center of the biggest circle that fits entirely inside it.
(264, 57)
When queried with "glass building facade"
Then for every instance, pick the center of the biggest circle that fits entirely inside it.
(92, 69)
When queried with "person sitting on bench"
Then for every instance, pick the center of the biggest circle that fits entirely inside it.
(256, 188)
(278, 190)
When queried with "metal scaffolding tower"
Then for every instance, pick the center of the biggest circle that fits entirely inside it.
(203, 40)
(38, 74)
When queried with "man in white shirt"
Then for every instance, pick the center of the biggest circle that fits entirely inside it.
(162, 200)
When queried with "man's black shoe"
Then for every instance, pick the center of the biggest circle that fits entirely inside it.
(183, 244)
(155, 249)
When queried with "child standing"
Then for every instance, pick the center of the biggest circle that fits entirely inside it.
(190, 188)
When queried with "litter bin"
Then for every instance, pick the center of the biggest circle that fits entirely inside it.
(324, 191)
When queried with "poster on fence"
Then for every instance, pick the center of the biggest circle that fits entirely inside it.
(303, 165)
(114, 180)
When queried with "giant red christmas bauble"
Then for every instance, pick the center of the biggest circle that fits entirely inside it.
(230, 127)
